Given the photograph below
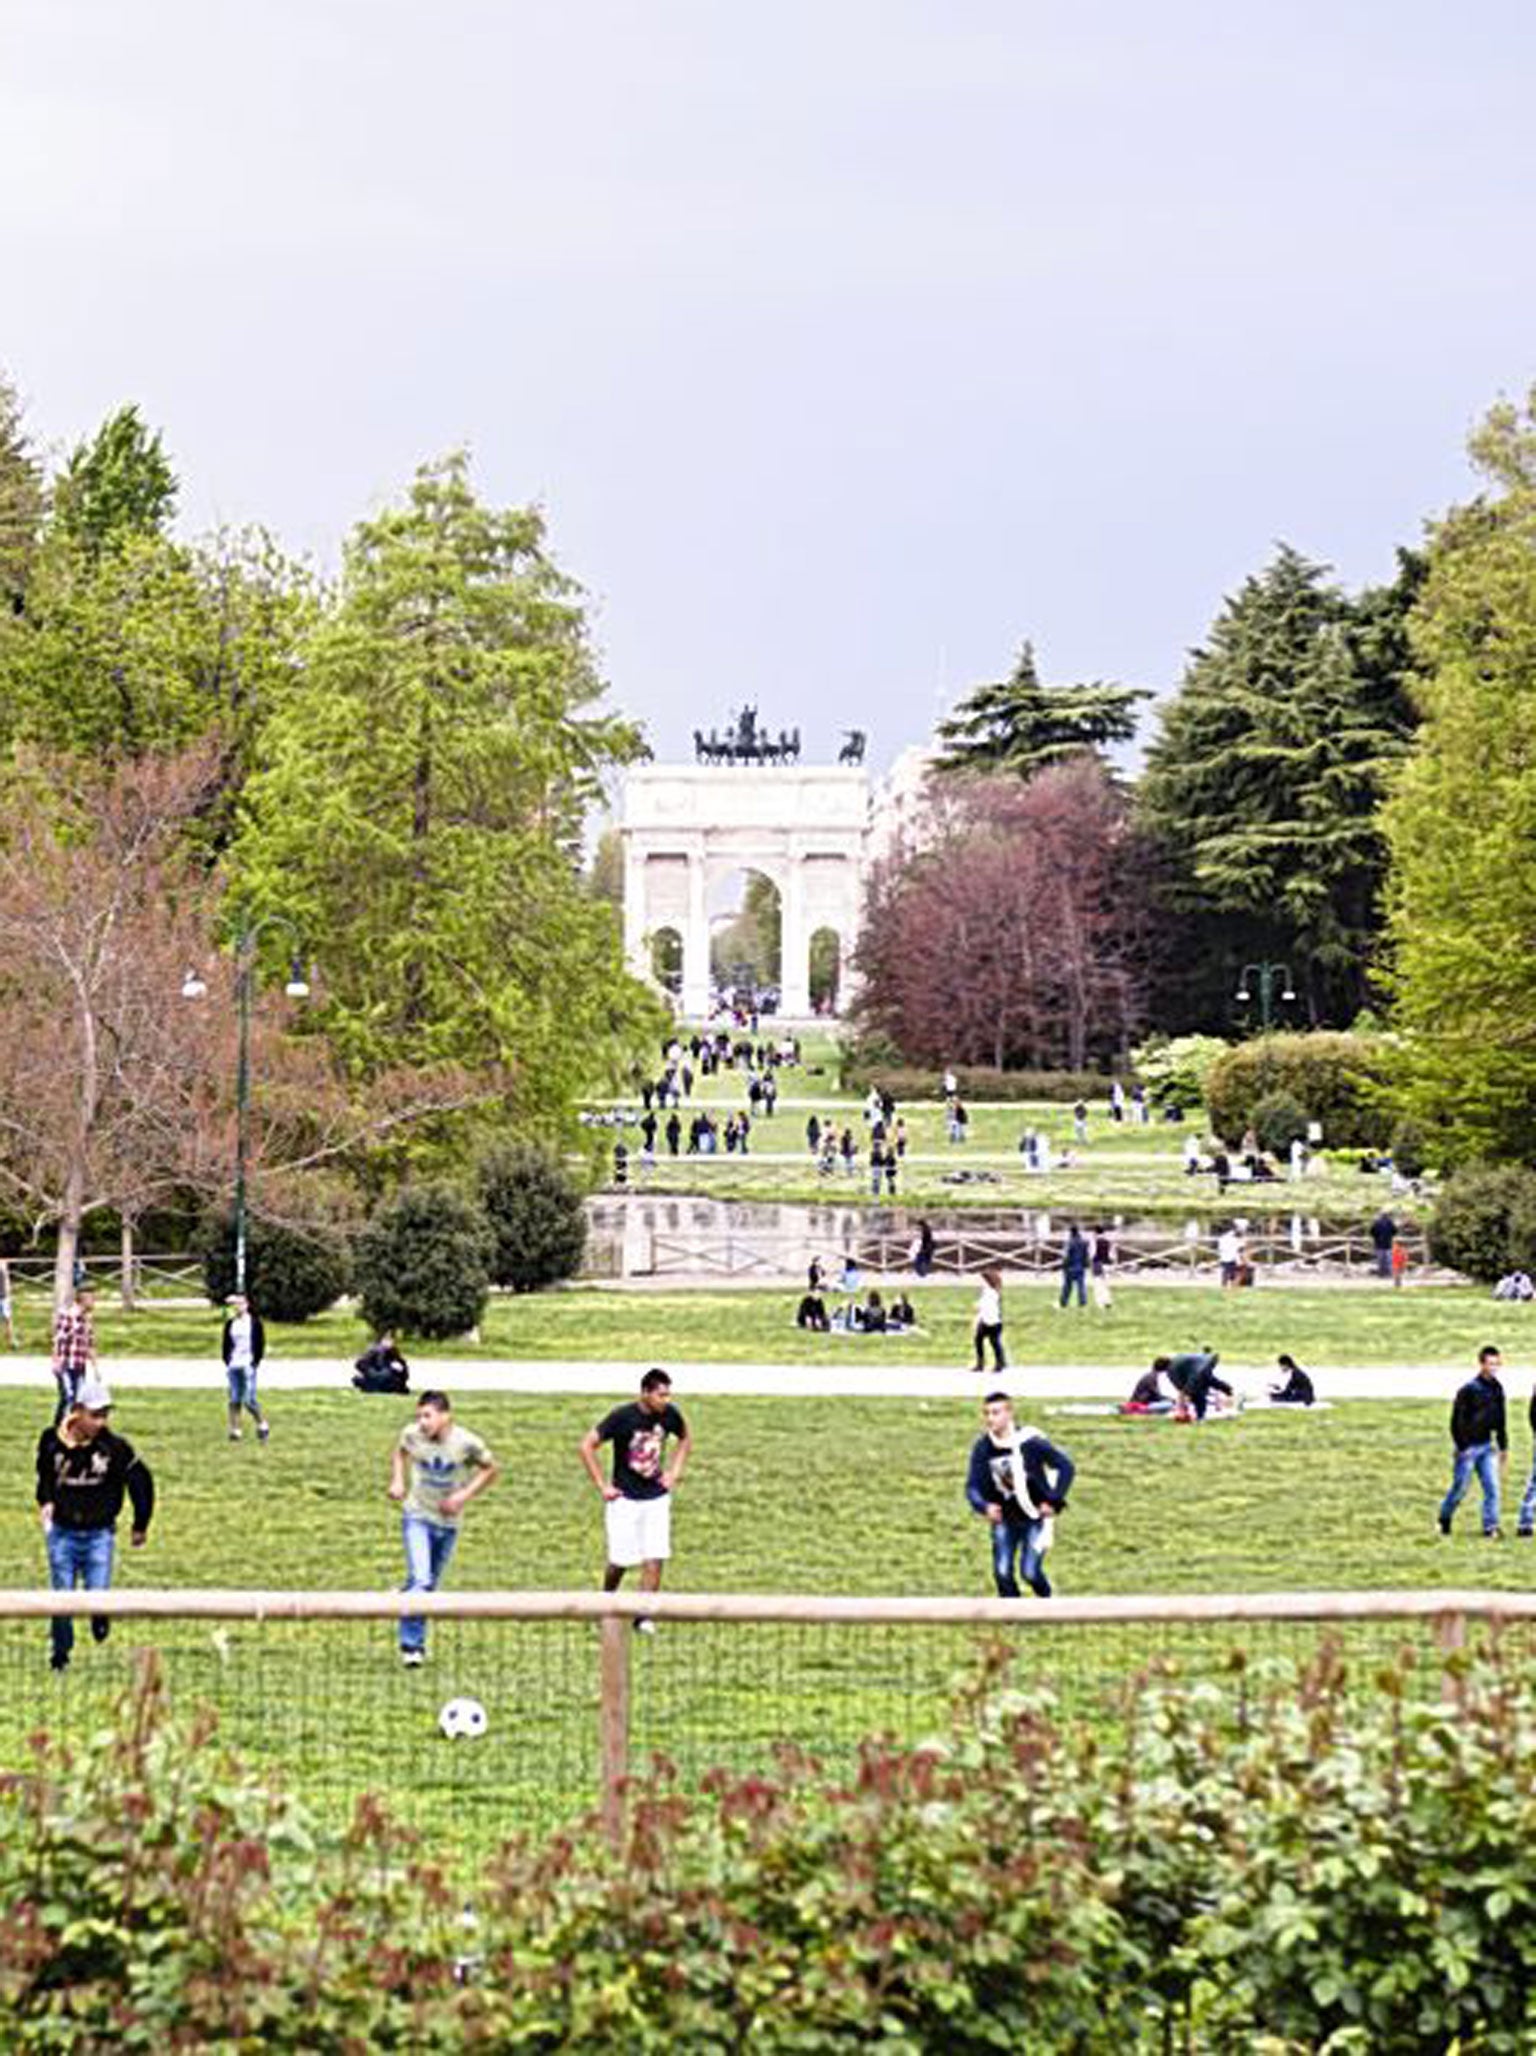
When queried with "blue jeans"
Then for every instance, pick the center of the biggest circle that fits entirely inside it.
(1479, 1457)
(1074, 1281)
(1012, 1540)
(77, 1556)
(241, 1381)
(428, 1547)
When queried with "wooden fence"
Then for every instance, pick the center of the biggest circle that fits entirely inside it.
(1447, 1614)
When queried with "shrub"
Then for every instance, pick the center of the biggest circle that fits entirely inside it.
(1338, 1079)
(1175, 1072)
(1484, 1222)
(291, 1274)
(907, 1083)
(536, 1216)
(1278, 1121)
(424, 1263)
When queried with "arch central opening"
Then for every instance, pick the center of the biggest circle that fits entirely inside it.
(746, 939)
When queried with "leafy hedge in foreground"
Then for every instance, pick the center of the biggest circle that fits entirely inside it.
(1273, 1864)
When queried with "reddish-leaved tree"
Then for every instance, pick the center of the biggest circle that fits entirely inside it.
(1008, 931)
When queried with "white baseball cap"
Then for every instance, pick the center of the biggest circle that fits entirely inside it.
(93, 1396)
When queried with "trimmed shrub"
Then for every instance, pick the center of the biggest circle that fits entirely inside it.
(906, 1083)
(1175, 1072)
(536, 1216)
(291, 1274)
(1484, 1222)
(1337, 1078)
(1278, 1121)
(423, 1264)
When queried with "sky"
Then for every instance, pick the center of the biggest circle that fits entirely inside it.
(844, 343)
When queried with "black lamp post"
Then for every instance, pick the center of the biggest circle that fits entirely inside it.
(297, 987)
(1267, 977)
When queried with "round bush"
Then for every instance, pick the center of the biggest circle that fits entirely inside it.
(536, 1216)
(1278, 1121)
(1484, 1222)
(1174, 1072)
(291, 1274)
(423, 1264)
(1339, 1080)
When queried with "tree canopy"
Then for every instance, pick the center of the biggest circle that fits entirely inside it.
(1262, 789)
(1461, 824)
(1020, 725)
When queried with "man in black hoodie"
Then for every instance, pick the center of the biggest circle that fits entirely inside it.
(83, 1473)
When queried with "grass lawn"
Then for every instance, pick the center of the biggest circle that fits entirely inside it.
(1365, 1323)
(819, 1497)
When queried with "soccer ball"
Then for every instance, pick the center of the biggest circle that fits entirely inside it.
(463, 1720)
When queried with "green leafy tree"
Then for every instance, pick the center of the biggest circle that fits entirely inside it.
(752, 941)
(1262, 792)
(119, 483)
(420, 807)
(21, 501)
(1020, 725)
(1461, 824)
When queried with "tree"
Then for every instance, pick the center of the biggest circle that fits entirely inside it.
(100, 914)
(752, 941)
(21, 501)
(1010, 937)
(536, 1215)
(118, 484)
(149, 645)
(420, 806)
(1261, 794)
(1021, 725)
(1461, 824)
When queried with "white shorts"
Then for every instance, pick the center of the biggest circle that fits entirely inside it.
(639, 1530)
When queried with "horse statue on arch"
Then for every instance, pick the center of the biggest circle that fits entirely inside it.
(852, 751)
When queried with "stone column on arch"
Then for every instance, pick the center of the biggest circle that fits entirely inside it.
(637, 914)
(696, 975)
(794, 942)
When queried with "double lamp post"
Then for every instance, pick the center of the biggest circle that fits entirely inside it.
(193, 986)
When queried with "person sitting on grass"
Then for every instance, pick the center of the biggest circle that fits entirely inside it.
(812, 1313)
(1153, 1393)
(872, 1315)
(381, 1368)
(1298, 1389)
(901, 1314)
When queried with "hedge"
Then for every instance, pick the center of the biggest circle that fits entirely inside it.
(536, 1215)
(292, 1274)
(1282, 1861)
(424, 1264)
(1340, 1080)
(1484, 1222)
(906, 1084)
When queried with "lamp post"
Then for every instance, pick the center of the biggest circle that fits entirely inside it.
(297, 987)
(1267, 976)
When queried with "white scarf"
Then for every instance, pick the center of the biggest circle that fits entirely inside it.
(1047, 1521)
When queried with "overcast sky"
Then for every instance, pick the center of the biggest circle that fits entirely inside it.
(845, 342)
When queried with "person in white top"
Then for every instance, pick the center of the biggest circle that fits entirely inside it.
(989, 1319)
(1229, 1254)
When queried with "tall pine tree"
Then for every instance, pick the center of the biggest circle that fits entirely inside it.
(21, 501)
(1021, 725)
(1262, 791)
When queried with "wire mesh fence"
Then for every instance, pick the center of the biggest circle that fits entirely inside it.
(578, 1701)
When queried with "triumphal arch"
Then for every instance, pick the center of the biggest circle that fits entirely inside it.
(747, 803)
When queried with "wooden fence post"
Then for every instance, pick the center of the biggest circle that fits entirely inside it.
(1450, 1635)
(616, 1633)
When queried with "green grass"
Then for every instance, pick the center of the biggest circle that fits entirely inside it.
(818, 1496)
(1363, 1323)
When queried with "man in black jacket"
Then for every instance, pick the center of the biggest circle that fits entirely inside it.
(1477, 1427)
(1018, 1482)
(83, 1473)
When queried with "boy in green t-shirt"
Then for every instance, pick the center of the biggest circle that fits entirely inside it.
(448, 1466)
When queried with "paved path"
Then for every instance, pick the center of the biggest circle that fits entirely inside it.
(862, 1376)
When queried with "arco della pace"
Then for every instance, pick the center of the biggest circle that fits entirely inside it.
(813, 830)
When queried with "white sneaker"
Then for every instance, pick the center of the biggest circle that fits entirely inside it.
(645, 1627)
(413, 1659)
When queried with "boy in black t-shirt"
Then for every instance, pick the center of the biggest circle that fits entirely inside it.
(638, 1508)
